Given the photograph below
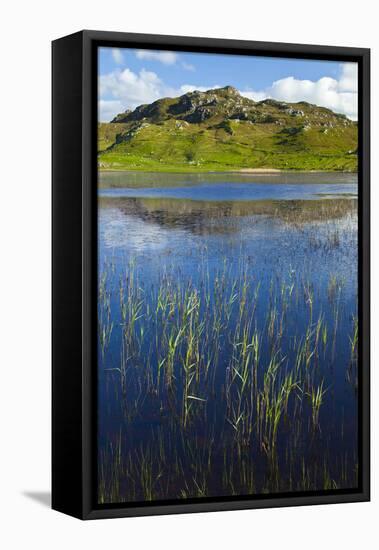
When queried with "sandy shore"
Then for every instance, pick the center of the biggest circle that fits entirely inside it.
(278, 171)
(268, 171)
(258, 171)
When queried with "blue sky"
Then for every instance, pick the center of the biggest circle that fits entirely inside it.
(129, 77)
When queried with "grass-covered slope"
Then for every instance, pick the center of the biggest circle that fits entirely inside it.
(221, 130)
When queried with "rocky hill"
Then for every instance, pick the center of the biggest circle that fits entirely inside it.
(222, 130)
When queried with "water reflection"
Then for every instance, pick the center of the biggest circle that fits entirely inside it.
(145, 180)
(202, 217)
(227, 339)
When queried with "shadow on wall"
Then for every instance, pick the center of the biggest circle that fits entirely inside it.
(41, 497)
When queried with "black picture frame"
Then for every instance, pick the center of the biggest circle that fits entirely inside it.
(74, 270)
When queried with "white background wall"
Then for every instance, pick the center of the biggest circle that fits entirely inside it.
(26, 31)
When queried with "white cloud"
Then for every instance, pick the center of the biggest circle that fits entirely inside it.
(188, 66)
(165, 57)
(108, 109)
(185, 88)
(127, 89)
(117, 56)
(124, 89)
(348, 81)
(339, 95)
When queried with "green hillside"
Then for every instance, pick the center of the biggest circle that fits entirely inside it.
(221, 130)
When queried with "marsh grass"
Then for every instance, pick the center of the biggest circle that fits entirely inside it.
(217, 390)
(197, 357)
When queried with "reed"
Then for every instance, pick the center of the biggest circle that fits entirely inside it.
(230, 383)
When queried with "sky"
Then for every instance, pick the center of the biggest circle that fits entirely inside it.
(129, 77)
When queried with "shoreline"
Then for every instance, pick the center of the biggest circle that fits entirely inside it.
(248, 171)
(273, 171)
(259, 171)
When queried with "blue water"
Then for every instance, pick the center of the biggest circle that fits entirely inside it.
(226, 191)
(289, 231)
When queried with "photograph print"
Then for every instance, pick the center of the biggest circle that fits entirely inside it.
(227, 284)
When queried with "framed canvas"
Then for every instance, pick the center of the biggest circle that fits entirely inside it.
(210, 274)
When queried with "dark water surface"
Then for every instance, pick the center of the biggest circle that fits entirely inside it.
(227, 334)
